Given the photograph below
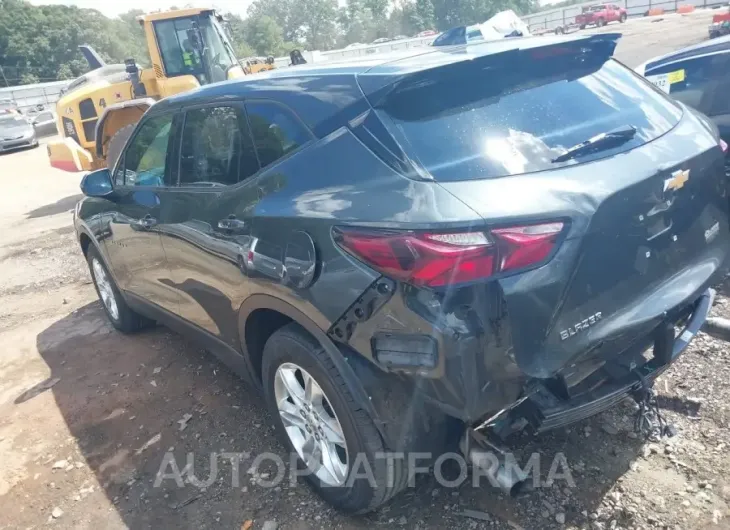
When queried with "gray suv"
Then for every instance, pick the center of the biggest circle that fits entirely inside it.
(419, 254)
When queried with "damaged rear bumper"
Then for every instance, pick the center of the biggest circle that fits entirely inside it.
(546, 409)
(469, 372)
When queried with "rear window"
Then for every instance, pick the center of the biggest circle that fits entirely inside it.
(451, 37)
(490, 123)
(474, 34)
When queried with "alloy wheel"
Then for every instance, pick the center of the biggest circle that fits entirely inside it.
(104, 285)
(311, 424)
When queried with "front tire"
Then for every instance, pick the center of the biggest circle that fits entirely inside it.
(622, 18)
(600, 23)
(117, 311)
(307, 394)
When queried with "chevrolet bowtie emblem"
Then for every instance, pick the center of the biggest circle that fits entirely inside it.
(677, 180)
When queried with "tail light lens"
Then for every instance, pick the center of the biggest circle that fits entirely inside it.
(437, 259)
(723, 145)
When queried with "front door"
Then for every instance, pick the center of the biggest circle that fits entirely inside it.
(206, 225)
(141, 190)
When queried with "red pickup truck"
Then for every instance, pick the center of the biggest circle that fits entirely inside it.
(600, 15)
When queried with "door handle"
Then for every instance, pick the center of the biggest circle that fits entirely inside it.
(146, 222)
(232, 224)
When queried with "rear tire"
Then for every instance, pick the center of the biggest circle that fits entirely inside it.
(582, 26)
(291, 348)
(559, 30)
(117, 311)
(116, 144)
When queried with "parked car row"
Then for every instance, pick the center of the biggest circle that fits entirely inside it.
(18, 130)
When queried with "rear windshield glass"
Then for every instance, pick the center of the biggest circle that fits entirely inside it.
(487, 125)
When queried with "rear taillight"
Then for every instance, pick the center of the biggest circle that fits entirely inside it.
(438, 259)
(723, 145)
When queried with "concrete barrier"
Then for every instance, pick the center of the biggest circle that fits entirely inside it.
(685, 8)
(654, 11)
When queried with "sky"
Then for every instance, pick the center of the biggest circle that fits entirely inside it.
(114, 8)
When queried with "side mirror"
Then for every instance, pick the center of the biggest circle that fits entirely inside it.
(97, 184)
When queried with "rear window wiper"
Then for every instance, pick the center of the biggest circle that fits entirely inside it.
(599, 142)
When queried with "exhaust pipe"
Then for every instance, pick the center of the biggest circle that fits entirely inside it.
(718, 328)
(494, 465)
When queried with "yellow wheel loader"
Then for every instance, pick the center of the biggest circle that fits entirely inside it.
(97, 113)
(254, 65)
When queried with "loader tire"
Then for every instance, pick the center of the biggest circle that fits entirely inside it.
(116, 144)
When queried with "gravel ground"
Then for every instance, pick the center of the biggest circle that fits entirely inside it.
(87, 416)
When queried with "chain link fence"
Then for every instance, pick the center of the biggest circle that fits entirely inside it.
(31, 96)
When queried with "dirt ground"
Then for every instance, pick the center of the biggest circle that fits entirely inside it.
(87, 415)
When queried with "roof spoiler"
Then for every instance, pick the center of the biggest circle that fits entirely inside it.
(380, 81)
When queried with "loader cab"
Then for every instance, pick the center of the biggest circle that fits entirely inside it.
(193, 44)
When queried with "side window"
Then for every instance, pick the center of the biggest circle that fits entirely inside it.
(701, 83)
(276, 131)
(216, 148)
(145, 157)
(474, 34)
(178, 54)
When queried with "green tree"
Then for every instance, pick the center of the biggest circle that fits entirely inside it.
(264, 35)
(423, 15)
(288, 14)
(41, 42)
(65, 72)
(357, 22)
(28, 78)
(319, 28)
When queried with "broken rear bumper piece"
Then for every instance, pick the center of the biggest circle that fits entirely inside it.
(549, 405)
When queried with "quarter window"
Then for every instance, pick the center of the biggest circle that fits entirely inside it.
(216, 148)
(144, 159)
(276, 131)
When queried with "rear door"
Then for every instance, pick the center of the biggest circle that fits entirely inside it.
(277, 133)
(207, 223)
(141, 182)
